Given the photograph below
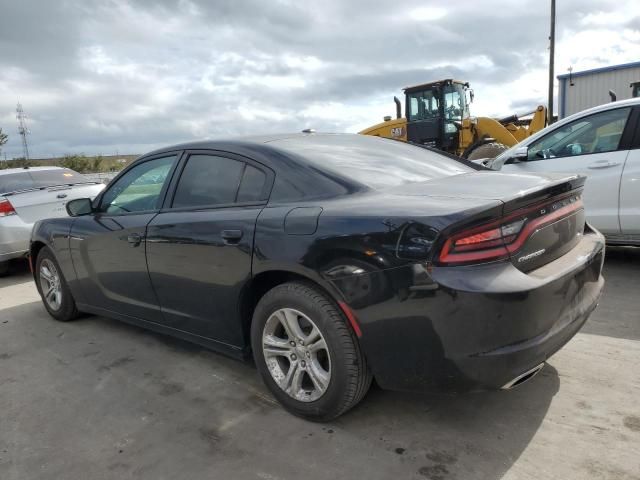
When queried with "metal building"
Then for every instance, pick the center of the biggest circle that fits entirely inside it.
(581, 90)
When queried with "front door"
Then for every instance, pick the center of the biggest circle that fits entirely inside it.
(593, 146)
(199, 247)
(424, 118)
(108, 247)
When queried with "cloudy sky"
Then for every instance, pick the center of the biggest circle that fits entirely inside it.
(127, 76)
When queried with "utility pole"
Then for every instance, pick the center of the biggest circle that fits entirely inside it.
(23, 130)
(552, 46)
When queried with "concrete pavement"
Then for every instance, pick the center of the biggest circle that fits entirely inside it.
(98, 399)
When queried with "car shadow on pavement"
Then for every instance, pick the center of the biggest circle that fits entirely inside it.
(474, 435)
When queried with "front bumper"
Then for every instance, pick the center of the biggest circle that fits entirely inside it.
(14, 237)
(474, 327)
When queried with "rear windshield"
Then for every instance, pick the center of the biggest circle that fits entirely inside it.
(27, 179)
(371, 161)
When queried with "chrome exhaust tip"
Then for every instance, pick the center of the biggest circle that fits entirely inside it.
(523, 377)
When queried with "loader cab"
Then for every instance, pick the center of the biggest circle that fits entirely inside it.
(435, 112)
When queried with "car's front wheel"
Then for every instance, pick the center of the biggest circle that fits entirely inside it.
(307, 355)
(53, 288)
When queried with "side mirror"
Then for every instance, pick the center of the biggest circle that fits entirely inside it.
(79, 206)
(521, 154)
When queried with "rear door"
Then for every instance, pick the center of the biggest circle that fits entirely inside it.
(596, 146)
(199, 247)
(108, 247)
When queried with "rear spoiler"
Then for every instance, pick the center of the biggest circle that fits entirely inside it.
(33, 189)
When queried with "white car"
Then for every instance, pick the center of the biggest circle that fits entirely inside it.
(31, 194)
(602, 143)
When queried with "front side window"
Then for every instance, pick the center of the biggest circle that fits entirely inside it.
(139, 189)
(208, 180)
(597, 133)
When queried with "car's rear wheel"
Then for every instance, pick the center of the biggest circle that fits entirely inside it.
(53, 288)
(307, 355)
(4, 268)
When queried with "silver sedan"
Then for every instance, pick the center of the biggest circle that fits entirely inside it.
(31, 194)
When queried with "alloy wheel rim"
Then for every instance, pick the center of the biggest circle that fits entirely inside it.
(296, 355)
(50, 284)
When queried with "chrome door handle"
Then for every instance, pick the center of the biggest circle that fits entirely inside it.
(603, 164)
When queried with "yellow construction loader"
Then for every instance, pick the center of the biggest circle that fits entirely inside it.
(437, 115)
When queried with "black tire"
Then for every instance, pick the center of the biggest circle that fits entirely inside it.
(67, 309)
(5, 268)
(350, 377)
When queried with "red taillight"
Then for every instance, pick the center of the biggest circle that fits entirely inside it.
(6, 208)
(500, 239)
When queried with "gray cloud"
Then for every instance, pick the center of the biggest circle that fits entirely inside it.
(105, 76)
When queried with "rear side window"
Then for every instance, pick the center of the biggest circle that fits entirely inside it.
(208, 180)
(252, 185)
(286, 191)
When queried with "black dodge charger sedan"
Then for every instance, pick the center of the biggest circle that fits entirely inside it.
(333, 260)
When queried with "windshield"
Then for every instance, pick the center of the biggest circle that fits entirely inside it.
(28, 179)
(371, 161)
(455, 104)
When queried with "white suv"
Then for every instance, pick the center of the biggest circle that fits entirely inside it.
(602, 143)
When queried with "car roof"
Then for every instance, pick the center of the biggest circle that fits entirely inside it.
(238, 144)
(241, 140)
(28, 169)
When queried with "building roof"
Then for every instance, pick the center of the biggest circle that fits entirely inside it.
(610, 68)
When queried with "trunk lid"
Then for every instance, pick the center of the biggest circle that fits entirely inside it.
(49, 202)
(547, 206)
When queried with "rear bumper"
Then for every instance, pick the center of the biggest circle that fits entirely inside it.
(476, 327)
(14, 237)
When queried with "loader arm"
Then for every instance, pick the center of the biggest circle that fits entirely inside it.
(488, 127)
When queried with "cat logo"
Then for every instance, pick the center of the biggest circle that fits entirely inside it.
(397, 132)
